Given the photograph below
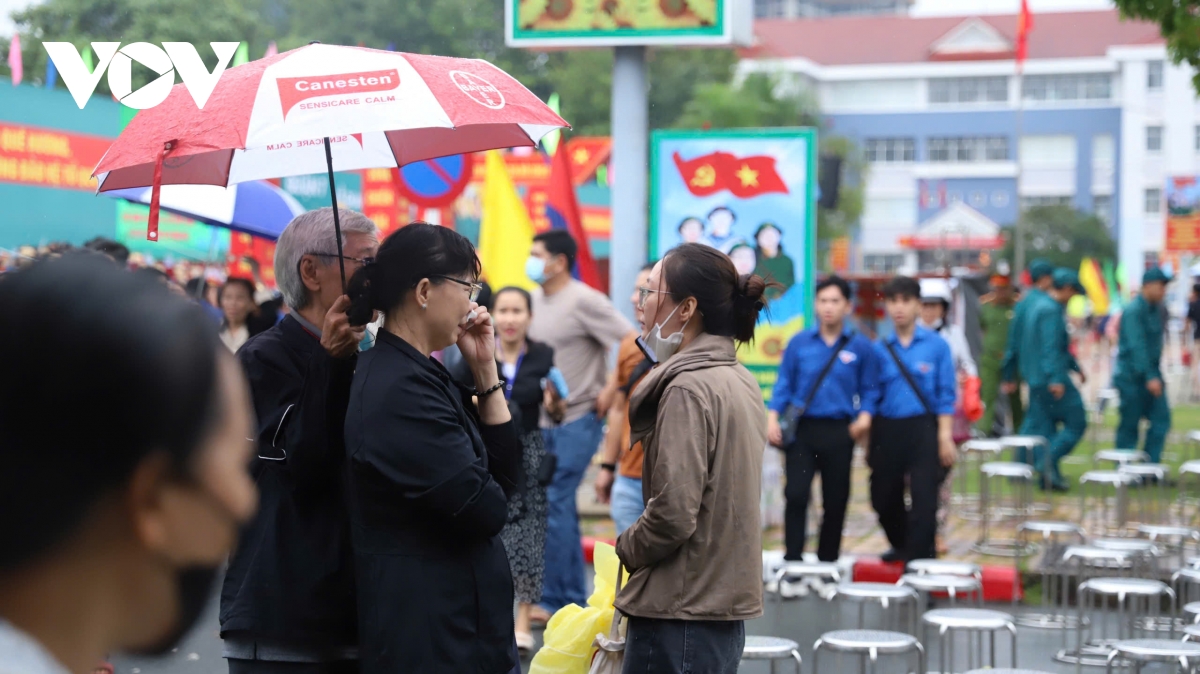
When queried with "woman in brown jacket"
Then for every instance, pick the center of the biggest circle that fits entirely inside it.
(695, 555)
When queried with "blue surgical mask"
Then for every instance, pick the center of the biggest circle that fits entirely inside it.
(535, 269)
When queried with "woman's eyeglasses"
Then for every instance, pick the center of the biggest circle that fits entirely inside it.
(644, 294)
(476, 288)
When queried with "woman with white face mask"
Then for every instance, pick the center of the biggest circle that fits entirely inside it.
(699, 416)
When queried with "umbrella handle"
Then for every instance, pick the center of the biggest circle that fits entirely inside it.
(337, 223)
(152, 221)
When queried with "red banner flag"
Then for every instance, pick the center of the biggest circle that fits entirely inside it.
(1024, 25)
(562, 209)
(745, 177)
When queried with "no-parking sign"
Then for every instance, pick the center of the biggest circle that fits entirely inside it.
(435, 183)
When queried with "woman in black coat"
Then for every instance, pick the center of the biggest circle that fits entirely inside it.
(430, 471)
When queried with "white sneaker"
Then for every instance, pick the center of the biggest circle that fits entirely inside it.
(823, 589)
(793, 589)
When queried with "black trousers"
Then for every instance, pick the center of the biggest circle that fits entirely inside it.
(655, 646)
(906, 450)
(825, 446)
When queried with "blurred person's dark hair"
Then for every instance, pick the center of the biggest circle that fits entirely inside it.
(834, 280)
(560, 242)
(114, 249)
(94, 348)
(902, 287)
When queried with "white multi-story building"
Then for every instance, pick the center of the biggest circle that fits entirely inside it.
(1102, 116)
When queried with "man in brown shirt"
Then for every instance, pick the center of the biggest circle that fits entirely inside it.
(582, 326)
(623, 491)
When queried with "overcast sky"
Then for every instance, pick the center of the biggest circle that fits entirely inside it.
(921, 8)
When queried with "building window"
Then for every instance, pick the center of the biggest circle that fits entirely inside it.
(1079, 87)
(890, 150)
(1154, 138)
(883, 263)
(1197, 141)
(950, 90)
(968, 150)
(769, 9)
(1153, 200)
(1033, 202)
(1102, 208)
(1154, 75)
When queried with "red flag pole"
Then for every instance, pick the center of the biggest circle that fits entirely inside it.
(1024, 25)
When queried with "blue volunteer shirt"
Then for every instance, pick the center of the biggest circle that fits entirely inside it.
(854, 373)
(929, 362)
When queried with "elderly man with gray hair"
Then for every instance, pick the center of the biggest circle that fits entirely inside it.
(288, 601)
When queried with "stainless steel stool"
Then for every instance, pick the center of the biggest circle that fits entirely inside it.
(1193, 446)
(868, 644)
(1005, 670)
(1054, 537)
(1138, 609)
(773, 649)
(796, 570)
(1137, 652)
(1191, 613)
(1189, 493)
(944, 567)
(972, 455)
(1023, 447)
(1005, 493)
(1153, 506)
(1175, 543)
(1186, 583)
(973, 621)
(1191, 632)
(1096, 488)
(1118, 458)
(900, 604)
(952, 586)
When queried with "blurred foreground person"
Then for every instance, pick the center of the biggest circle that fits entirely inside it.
(123, 467)
(432, 465)
(1139, 375)
(699, 417)
(288, 601)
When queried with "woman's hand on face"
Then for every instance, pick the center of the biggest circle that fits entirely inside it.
(477, 342)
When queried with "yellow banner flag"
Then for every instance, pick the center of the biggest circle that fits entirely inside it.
(505, 231)
(1093, 283)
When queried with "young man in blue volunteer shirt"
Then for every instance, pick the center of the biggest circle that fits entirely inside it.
(827, 388)
(911, 431)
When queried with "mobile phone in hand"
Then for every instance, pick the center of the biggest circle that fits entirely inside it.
(555, 378)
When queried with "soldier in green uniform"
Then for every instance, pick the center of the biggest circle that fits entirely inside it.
(1138, 378)
(995, 313)
(1041, 273)
(1054, 401)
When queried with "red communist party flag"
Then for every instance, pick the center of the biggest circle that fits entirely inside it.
(743, 176)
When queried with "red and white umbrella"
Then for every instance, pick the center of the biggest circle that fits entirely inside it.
(324, 108)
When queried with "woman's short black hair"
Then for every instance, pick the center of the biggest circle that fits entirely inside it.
(412, 253)
(520, 291)
(102, 368)
(834, 280)
(902, 287)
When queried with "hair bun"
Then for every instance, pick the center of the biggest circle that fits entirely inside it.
(749, 292)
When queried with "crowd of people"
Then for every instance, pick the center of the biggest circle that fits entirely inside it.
(417, 441)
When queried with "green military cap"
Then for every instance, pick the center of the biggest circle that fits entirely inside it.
(1155, 275)
(1039, 268)
(1064, 278)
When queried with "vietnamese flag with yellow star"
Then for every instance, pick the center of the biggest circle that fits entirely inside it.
(745, 177)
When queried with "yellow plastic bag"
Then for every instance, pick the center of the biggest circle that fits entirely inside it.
(568, 641)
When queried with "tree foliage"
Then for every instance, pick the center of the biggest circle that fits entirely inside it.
(81, 22)
(1064, 236)
(1180, 23)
